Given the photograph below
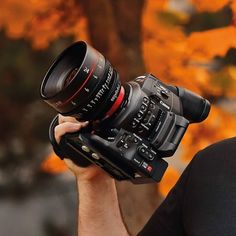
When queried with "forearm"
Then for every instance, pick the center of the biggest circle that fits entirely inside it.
(99, 212)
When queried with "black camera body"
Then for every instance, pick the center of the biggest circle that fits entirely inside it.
(132, 126)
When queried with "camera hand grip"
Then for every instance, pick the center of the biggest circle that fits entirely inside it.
(66, 149)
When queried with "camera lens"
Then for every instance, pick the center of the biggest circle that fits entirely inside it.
(82, 83)
(70, 76)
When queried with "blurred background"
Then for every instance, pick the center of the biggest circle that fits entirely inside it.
(189, 43)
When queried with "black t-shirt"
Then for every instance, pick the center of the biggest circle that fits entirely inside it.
(203, 202)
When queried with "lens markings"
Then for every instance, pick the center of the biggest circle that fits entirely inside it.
(101, 92)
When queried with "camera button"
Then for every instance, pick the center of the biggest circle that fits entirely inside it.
(145, 127)
(135, 140)
(146, 100)
(131, 139)
(146, 167)
(149, 168)
(135, 122)
(164, 94)
(150, 156)
(142, 149)
(140, 130)
(143, 107)
(152, 106)
(120, 143)
(139, 115)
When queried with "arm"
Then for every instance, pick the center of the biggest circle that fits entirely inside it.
(99, 212)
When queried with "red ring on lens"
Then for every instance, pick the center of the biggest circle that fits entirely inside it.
(117, 103)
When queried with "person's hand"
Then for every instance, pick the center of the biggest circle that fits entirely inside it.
(70, 125)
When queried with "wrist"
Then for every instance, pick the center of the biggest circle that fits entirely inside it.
(92, 181)
(99, 212)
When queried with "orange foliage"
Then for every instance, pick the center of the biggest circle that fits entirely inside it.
(206, 45)
(180, 59)
(42, 21)
(220, 124)
(166, 53)
(54, 165)
(203, 5)
(17, 15)
(170, 54)
(185, 60)
(169, 180)
(161, 4)
(209, 6)
(233, 6)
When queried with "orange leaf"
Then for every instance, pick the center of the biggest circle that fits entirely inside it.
(233, 8)
(168, 181)
(211, 43)
(53, 164)
(203, 5)
(220, 124)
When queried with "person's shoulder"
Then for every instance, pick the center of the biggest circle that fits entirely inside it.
(221, 150)
(226, 145)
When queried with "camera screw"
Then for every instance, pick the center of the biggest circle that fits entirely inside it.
(85, 148)
(95, 156)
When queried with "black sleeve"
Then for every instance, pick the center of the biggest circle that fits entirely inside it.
(203, 201)
(167, 219)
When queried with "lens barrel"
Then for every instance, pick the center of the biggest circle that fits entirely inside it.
(82, 83)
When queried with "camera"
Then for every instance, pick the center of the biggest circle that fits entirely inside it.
(133, 126)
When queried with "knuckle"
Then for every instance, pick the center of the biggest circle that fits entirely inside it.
(56, 130)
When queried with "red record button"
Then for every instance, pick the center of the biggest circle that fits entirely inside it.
(149, 168)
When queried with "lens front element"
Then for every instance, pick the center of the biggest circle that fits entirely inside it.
(81, 83)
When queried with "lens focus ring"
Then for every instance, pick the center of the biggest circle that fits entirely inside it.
(81, 82)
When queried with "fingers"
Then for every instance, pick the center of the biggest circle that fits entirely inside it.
(68, 127)
(62, 119)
